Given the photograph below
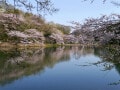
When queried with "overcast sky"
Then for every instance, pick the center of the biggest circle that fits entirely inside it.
(76, 10)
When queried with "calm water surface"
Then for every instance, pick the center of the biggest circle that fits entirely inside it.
(62, 68)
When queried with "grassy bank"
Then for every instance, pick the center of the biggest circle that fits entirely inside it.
(35, 45)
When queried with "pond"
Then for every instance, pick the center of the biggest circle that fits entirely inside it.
(60, 68)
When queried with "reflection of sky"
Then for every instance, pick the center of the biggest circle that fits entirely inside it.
(69, 76)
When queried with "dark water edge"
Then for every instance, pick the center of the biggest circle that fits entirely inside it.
(60, 68)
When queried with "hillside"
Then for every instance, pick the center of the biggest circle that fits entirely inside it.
(25, 28)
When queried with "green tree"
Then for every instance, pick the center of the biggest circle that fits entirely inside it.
(64, 29)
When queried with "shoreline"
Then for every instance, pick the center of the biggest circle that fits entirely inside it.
(38, 45)
(6, 44)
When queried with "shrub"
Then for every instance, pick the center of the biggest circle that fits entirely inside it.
(63, 29)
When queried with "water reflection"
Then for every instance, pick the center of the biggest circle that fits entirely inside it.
(18, 63)
(15, 64)
(110, 57)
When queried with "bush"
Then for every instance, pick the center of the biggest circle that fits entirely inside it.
(13, 11)
(63, 29)
(3, 35)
